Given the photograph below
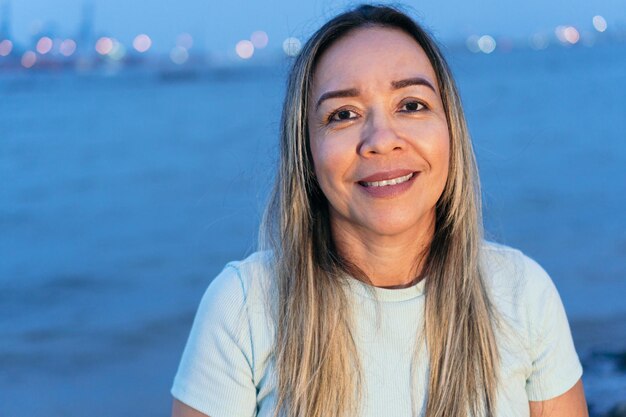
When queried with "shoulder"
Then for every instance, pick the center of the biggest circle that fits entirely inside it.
(230, 295)
(241, 282)
(506, 267)
(225, 357)
(519, 288)
(252, 269)
(531, 324)
(522, 292)
(233, 307)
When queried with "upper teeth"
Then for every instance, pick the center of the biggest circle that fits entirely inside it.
(392, 181)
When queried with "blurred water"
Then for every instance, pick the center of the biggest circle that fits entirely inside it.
(549, 132)
(121, 197)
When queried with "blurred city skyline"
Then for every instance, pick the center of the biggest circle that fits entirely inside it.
(219, 26)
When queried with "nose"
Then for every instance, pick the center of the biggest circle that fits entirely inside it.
(379, 136)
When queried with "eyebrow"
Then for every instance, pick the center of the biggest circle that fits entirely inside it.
(350, 92)
(353, 92)
(396, 85)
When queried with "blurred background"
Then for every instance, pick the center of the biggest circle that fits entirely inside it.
(137, 144)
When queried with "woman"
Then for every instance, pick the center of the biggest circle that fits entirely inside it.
(377, 296)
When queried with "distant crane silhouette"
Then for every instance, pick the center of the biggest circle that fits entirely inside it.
(5, 20)
(85, 37)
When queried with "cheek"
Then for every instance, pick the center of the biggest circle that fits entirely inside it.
(326, 175)
(317, 156)
(443, 155)
(331, 159)
(432, 143)
(322, 161)
(442, 159)
(435, 149)
(439, 143)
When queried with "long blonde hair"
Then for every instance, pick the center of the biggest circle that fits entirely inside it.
(317, 369)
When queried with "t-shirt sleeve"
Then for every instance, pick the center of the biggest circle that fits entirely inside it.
(555, 365)
(215, 375)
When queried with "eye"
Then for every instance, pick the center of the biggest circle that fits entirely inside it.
(412, 106)
(342, 115)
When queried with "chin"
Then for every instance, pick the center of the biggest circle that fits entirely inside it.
(393, 226)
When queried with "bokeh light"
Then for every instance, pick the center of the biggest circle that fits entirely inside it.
(118, 51)
(104, 45)
(259, 39)
(571, 35)
(28, 59)
(179, 55)
(472, 43)
(67, 47)
(567, 34)
(559, 32)
(599, 23)
(184, 40)
(6, 46)
(292, 46)
(142, 43)
(244, 49)
(44, 45)
(487, 44)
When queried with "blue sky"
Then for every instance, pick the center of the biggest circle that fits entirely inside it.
(219, 25)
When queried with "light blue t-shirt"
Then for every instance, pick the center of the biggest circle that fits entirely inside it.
(227, 369)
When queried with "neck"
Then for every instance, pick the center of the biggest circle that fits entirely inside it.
(393, 261)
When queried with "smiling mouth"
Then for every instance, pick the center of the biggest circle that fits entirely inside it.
(392, 181)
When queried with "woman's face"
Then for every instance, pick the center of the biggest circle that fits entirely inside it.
(378, 133)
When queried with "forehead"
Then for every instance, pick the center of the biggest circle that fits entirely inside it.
(372, 54)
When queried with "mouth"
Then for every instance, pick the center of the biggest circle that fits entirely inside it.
(388, 182)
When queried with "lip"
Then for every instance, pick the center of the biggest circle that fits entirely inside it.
(387, 191)
(386, 175)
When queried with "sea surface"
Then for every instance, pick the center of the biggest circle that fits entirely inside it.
(122, 195)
